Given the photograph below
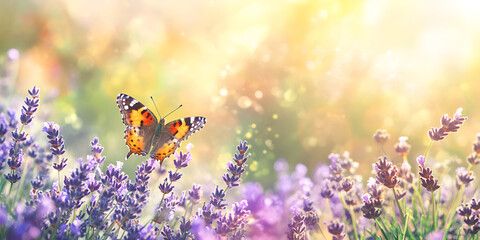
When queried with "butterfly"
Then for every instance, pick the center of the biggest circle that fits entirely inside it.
(145, 134)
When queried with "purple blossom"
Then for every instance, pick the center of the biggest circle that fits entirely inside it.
(381, 136)
(60, 165)
(217, 199)
(166, 187)
(448, 125)
(31, 105)
(371, 207)
(386, 173)
(195, 194)
(402, 147)
(12, 177)
(15, 160)
(421, 161)
(453, 124)
(182, 159)
(336, 228)
(296, 227)
(464, 177)
(174, 176)
(476, 144)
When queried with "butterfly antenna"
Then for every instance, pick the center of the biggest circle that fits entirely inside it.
(155, 106)
(168, 113)
(173, 110)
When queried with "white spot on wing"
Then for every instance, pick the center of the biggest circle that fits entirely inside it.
(125, 107)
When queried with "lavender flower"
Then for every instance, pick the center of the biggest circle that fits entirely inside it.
(470, 218)
(448, 125)
(166, 187)
(402, 147)
(31, 106)
(232, 179)
(336, 230)
(296, 227)
(182, 159)
(381, 136)
(464, 177)
(371, 207)
(386, 173)
(195, 194)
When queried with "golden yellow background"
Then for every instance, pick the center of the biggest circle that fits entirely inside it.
(297, 79)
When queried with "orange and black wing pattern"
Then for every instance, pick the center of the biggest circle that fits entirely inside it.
(173, 134)
(140, 122)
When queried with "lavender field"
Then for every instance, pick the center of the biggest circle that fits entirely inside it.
(239, 120)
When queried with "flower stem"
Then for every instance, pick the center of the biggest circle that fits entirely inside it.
(352, 213)
(428, 149)
(381, 229)
(452, 212)
(434, 212)
(398, 205)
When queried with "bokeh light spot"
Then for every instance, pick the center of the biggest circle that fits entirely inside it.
(253, 166)
(223, 92)
(254, 125)
(244, 102)
(290, 95)
(269, 144)
(258, 94)
(275, 116)
(223, 73)
(312, 141)
(311, 65)
(248, 135)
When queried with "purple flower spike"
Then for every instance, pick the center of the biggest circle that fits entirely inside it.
(336, 229)
(437, 134)
(421, 161)
(430, 184)
(402, 147)
(15, 160)
(476, 144)
(381, 136)
(296, 227)
(34, 92)
(242, 147)
(182, 160)
(453, 124)
(60, 166)
(19, 137)
(448, 125)
(195, 194)
(30, 107)
(174, 176)
(166, 187)
(13, 178)
(465, 177)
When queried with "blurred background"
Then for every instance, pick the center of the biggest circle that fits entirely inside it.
(297, 79)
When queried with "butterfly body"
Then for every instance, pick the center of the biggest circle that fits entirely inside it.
(145, 134)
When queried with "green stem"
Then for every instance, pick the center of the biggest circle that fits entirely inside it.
(381, 229)
(351, 213)
(427, 151)
(59, 183)
(323, 234)
(434, 212)
(398, 205)
(353, 223)
(453, 212)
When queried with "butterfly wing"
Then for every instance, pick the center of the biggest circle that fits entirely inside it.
(173, 134)
(140, 122)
